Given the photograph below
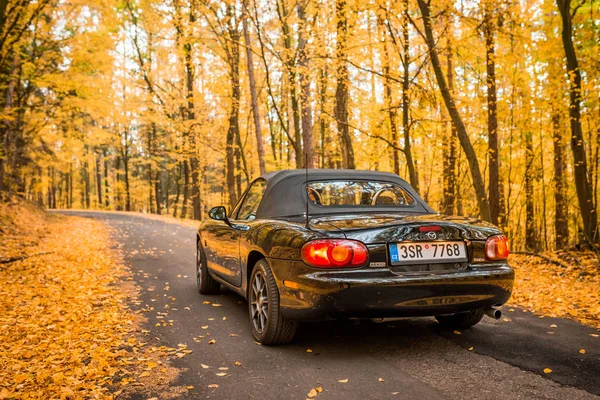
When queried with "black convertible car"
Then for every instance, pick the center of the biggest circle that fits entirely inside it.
(321, 244)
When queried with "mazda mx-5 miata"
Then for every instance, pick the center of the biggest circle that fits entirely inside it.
(333, 244)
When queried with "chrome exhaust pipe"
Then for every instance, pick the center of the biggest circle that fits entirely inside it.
(493, 313)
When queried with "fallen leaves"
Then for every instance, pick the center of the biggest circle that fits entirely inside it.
(547, 370)
(212, 341)
(343, 380)
(237, 363)
(581, 351)
(557, 291)
(66, 331)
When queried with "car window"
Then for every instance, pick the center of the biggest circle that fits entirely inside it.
(358, 193)
(252, 200)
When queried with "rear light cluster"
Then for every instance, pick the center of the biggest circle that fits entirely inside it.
(496, 248)
(335, 253)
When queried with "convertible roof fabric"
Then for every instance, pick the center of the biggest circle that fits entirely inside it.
(286, 193)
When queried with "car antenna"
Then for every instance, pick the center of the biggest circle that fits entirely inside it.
(306, 170)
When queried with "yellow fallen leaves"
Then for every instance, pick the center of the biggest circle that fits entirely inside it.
(313, 392)
(582, 351)
(343, 380)
(65, 328)
(556, 291)
(547, 370)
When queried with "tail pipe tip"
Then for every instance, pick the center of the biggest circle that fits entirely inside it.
(494, 313)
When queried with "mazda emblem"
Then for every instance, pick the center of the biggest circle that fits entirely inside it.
(431, 235)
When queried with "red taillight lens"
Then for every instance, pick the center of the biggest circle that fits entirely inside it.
(496, 248)
(335, 253)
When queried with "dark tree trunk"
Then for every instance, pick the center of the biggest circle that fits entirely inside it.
(389, 102)
(492, 126)
(461, 130)
(531, 234)
(234, 127)
(582, 184)
(303, 66)
(412, 171)
(341, 91)
(254, 97)
(449, 178)
(98, 179)
(177, 190)
(561, 220)
(106, 189)
(194, 163)
(186, 188)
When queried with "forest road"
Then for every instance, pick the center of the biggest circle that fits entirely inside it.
(402, 359)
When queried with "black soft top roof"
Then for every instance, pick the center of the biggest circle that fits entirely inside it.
(286, 195)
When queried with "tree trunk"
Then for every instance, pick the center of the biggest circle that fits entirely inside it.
(461, 130)
(307, 122)
(186, 188)
(531, 234)
(341, 91)
(234, 128)
(449, 178)
(178, 189)
(389, 102)
(98, 179)
(412, 172)
(106, 190)
(254, 97)
(492, 122)
(582, 184)
(561, 219)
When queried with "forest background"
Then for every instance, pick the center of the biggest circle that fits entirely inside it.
(488, 108)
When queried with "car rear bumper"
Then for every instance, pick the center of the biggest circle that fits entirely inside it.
(313, 294)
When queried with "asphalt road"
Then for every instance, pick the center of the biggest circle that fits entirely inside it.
(402, 359)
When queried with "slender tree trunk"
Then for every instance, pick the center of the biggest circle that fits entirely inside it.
(322, 124)
(234, 127)
(177, 190)
(186, 188)
(341, 91)
(461, 130)
(449, 179)
(531, 234)
(127, 188)
(389, 102)
(582, 184)
(98, 179)
(254, 97)
(106, 189)
(492, 126)
(561, 220)
(304, 69)
(412, 171)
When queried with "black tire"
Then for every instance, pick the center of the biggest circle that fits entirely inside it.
(268, 326)
(206, 283)
(461, 320)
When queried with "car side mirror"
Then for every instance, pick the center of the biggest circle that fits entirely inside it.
(218, 213)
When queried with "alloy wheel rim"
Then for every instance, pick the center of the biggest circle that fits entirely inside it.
(259, 303)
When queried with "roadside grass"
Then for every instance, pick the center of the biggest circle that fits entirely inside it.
(66, 330)
(568, 291)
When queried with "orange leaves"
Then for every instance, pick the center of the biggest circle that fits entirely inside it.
(66, 331)
(556, 291)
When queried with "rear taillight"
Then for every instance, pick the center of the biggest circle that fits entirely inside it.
(335, 253)
(496, 248)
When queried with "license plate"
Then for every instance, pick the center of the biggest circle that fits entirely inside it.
(427, 252)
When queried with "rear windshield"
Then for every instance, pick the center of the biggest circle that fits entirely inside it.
(358, 193)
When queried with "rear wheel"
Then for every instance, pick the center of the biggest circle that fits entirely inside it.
(206, 283)
(461, 320)
(269, 326)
